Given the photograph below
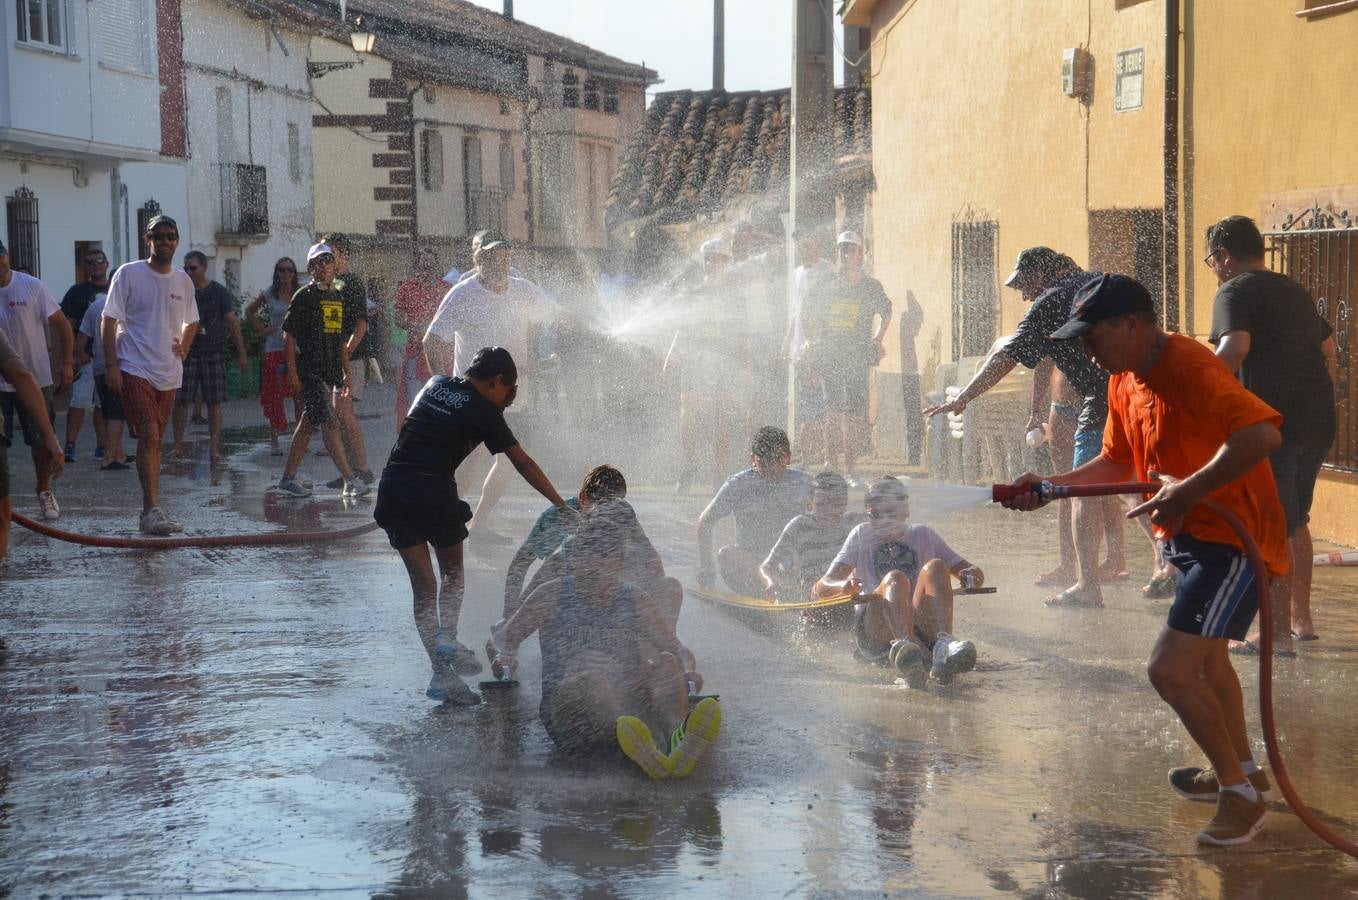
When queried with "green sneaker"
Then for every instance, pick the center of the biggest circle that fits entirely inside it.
(1200, 784)
(635, 740)
(690, 740)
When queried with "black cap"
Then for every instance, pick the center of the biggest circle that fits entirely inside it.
(157, 221)
(1036, 260)
(490, 239)
(1105, 297)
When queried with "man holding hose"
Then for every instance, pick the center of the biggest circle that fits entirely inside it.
(1178, 415)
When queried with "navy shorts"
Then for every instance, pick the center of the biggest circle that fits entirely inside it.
(10, 405)
(1216, 596)
(420, 509)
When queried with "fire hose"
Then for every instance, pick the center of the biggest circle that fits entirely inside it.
(271, 539)
(1049, 491)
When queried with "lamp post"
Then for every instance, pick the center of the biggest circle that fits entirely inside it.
(361, 39)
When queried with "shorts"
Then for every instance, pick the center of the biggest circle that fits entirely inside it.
(4, 467)
(144, 404)
(316, 394)
(1088, 445)
(810, 397)
(82, 388)
(205, 374)
(1216, 593)
(1296, 466)
(420, 509)
(1066, 411)
(358, 380)
(846, 393)
(863, 645)
(110, 404)
(10, 406)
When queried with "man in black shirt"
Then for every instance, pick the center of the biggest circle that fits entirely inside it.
(1050, 281)
(320, 334)
(418, 505)
(354, 289)
(205, 364)
(73, 306)
(1265, 326)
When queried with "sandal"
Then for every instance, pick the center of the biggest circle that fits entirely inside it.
(1306, 637)
(1160, 587)
(1250, 648)
(1071, 598)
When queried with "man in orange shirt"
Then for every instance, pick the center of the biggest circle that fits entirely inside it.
(1177, 414)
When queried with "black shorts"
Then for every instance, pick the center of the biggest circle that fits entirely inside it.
(4, 467)
(1296, 466)
(420, 509)
(846, 392)
(110, 404)
(1216, 596)
(316, 404)
(10, 406)
(204, 376)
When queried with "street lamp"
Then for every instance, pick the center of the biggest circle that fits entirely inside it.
(361, 38)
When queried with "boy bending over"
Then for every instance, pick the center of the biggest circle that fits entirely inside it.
(807, 547)
(910, 626)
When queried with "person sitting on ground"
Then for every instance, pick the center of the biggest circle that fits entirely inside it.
(763, 499)
(319, 340)
(908, 622)
(601, 688)
(641, 563)
(31, 400)
(418, 504)
(807, 547)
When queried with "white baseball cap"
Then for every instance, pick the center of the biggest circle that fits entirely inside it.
(849, 237)
(715, 247)
(320, 249)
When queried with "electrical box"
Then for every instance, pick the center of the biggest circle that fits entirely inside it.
(1070, 65)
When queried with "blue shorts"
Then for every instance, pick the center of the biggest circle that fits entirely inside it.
(1216, 595)
(1088, 445)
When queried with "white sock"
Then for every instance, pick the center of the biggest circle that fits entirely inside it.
(1244, 789)
(1249, 767)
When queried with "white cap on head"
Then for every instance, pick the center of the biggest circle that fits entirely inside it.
(715, 247)
(319, 250)
(849, 237)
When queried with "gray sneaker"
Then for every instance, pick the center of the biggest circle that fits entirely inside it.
(445, 687)
(456, 654)
(47, 505)
(952, 657)
(909, 659)
(355, 487)
(291, 487)
(154, 521)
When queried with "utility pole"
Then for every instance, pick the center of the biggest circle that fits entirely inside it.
(719, 45)
(813, 124)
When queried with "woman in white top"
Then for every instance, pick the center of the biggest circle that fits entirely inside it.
(273, 385)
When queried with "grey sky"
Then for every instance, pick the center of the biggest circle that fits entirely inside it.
(674, 37)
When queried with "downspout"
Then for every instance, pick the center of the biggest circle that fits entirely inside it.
(1171, 185)
(415, 179)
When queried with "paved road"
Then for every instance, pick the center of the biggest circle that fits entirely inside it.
(253, 721)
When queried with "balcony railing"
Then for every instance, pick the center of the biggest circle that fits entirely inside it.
(245, 199)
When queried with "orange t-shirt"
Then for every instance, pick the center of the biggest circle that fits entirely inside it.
(1175, 422)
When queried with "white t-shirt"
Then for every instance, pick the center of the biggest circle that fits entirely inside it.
(25, 306)
(91, 326)
(152, 311)
(871, 558)
(802, 280)
(471, 317)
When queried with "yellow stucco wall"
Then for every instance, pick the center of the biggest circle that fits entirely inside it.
(344, 175)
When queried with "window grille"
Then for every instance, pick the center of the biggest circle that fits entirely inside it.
(431, 159)
(611, 97)
(570, 90)
(21, 221)
(975, 291)
(591, 94)
(244, 199)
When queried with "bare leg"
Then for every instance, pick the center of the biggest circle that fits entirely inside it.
(666, 692)
(301, 441)
(740, 570)
(1220, 676)
(854, 429)
(1088, 530)
(893, 619)
(933, 600)
(1063, 457)
(75, 419)
(352, 433)
(834, 440)
(148, 464)
(100, 431)
(452, 587)
(1302, 562)
(214, 430)
(180, 422)
(330, 433)
(424, 587)
(1115, 563)
(1177, 670)
(113, 441)
(42, 466)
(492, 489)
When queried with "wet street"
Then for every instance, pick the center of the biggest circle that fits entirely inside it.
(253, 721)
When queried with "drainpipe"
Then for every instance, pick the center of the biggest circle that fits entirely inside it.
(1171, 185)
(415, 178)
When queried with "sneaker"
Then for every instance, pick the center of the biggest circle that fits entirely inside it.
(1237, 820)
(910, 659)
(154, 521)
(98, 454)
(456, 654)
(356, 488)
(1200, 784)
(335, 483)
(445, 687)
(635, 740)
(47, 505)
(291, 487)
(70, 452)
(690, 740)
(951, 657)
(367, 476)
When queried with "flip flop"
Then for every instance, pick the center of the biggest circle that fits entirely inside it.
(691, 740)
(635, 740)
(1073, 599)
(115, 466)
(1160, 587)
(1250, 648)
(1306, 637)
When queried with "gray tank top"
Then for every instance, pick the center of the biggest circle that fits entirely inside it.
(273, 337)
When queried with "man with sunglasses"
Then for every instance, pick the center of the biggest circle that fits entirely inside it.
(205, 364)
(150, 319)
(74, 305)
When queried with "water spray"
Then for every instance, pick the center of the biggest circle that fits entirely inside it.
(1050, 491)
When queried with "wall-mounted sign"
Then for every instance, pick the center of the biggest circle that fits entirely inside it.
(1130, 72)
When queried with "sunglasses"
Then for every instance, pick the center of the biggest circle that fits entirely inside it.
(166, 237)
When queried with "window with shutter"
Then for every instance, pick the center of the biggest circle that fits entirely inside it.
(431, 159)
(123, 35)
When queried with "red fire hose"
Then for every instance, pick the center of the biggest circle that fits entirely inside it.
(1049, 491)
(270, 539)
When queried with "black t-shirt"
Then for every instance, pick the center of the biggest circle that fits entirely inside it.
(1031, 343)
(355, 294)
(78, 300)
(214, 304)
(838, 315)
(1285, 366)
(447, 421)
(320, 323)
